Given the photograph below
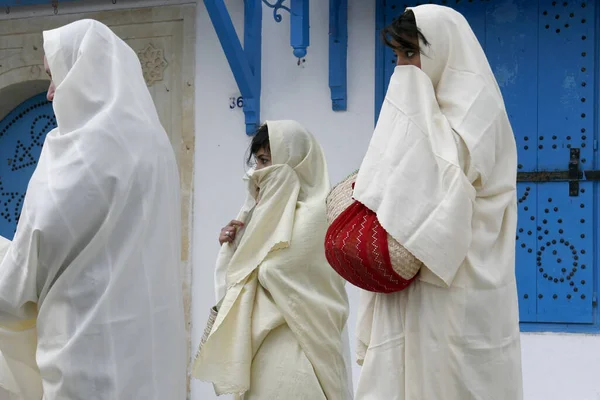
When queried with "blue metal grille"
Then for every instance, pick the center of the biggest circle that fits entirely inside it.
(542, 53)
(22, 134)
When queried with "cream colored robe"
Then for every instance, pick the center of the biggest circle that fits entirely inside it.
(278, 334)
(440, 173)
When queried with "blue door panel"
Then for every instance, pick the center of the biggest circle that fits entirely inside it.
(22, 134)
(526, 253)
(565, 253)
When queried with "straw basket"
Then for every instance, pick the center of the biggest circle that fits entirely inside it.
(209, 325)
(403, 263)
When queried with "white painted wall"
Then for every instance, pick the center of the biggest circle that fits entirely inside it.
(561, 367)
(556, 367)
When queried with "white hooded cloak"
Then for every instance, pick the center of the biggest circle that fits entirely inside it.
(280, 332)
(96, 255)
(440, 173)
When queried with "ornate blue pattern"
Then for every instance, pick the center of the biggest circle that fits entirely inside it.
(22, 134)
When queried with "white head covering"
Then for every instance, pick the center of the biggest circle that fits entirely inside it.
(465, 87)
(281, 247)
(442, 138)
(97, 247)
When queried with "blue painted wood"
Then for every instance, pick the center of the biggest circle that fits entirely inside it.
(542, 54)
(338, 54)
(300, 27)
(246, 70)
(596, 164)
(253, 50)
(299, 23)
(380, 59)
(565, 108)
(511, 47)
(22, 134)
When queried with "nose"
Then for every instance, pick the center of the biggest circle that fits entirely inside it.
(402, 61)
(50, 93)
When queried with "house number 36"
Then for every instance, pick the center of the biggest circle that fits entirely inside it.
(236, 102)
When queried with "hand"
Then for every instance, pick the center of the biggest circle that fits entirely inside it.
(228, 233)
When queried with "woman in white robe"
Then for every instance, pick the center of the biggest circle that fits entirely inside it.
(440, 173)
(282, 310)
(95, 259)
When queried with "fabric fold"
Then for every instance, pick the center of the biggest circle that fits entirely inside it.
(412, 179)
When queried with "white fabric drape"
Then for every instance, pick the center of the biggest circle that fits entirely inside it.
(279, 330)
(19, 375)
(440, 173)
(96, 254)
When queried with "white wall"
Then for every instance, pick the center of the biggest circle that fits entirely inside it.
(561, 367)
(556, 367)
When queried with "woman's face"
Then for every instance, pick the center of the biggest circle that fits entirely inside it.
(52, 88)
(263, 158)
(409, 57)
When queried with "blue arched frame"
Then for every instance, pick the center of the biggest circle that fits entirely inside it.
(22, 134)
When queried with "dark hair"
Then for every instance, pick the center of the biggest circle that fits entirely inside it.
(397, 35)
(260, 140)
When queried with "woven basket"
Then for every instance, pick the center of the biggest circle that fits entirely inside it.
(209, 325)
(340, 198)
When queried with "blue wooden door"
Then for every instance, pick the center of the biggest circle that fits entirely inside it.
(22, 134)
(542, 53)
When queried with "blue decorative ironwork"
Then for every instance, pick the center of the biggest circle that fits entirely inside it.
(338, 54)
(276, 7)
(245, 63)
(299, 23)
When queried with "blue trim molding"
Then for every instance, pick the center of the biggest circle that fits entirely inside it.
(379, 57)
(338, 54)
(245, 63)
(300, 27)
(299, 23)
